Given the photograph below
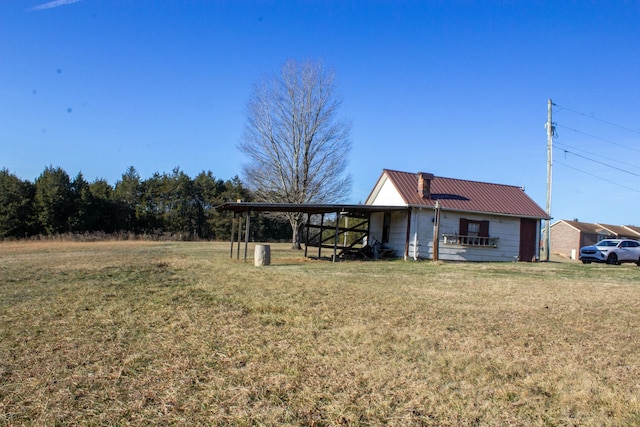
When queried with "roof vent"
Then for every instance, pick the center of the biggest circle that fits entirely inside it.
(424, 184)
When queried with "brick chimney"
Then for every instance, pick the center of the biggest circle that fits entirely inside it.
(424, 184)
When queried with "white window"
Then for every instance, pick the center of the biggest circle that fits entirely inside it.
(474, 228)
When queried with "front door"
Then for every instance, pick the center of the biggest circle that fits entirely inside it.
(386, 227)
(528, 241)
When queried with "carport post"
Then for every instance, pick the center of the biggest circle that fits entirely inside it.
(246, 236)
(306, 240)
(233, 229)
(321, 228)
(239, 237)
(335, 239)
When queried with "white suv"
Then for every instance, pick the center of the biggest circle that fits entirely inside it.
(612, 251)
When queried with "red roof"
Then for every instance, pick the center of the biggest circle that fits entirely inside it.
(583, 227)
(469, 196)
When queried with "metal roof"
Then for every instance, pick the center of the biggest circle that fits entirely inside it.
(583, 227)
(467, 196)
(619, 230)
(633, 228)
(597, 228)
(310, 208)
(453, 194)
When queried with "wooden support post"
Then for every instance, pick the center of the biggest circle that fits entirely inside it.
(233, 229)
(346, 232)
(306, 240)
(239, 237)
(246, 236)
(321, 230)
(335, 239)
(368, 227)
(408, 236)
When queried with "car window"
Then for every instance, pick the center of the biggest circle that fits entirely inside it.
(607, 243)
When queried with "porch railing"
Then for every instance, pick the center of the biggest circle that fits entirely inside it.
(456, 239)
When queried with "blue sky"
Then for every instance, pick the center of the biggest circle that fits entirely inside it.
(455, 88)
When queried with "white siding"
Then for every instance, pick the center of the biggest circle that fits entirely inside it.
(375, 226)
(388, 195)
(507, 229)
(421, 234)
(397, 232)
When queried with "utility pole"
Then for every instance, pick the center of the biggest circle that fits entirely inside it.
(436, 232)
(550, 132)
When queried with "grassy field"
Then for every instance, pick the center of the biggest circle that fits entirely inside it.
(139, 333)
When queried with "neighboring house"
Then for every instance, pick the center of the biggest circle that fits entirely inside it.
(478, 221)
(633, 229)
(567, 237)
(620, 231)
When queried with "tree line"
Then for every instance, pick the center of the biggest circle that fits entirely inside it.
(170, 205)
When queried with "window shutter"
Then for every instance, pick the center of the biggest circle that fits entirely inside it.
(484, 229)
(464, 227)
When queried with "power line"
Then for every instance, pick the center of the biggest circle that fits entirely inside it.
(597, 137)
(600, 120)
(598, 177)
(599, 155)
(601, 163)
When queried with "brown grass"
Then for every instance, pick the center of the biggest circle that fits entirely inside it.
(139, 333)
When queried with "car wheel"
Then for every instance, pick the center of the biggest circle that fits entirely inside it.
(638, 262)
(612, 259)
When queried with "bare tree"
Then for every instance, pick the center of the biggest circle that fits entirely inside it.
(296, 145)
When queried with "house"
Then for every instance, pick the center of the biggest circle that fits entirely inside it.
(478, 221)
(622, 231)
(634, 229)
(567, 237)
(473, 221)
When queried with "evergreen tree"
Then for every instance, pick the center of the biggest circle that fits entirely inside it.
(181, 215)
(208, 190)
(165, 203)
(16, 206)
(220, 222)
(53, 200)
(82, 215)
(104, 209)
(127, 195)
(150, 212)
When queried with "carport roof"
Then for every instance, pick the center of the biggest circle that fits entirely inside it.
(309, 208)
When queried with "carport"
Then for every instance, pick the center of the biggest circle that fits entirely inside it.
(314, 232)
